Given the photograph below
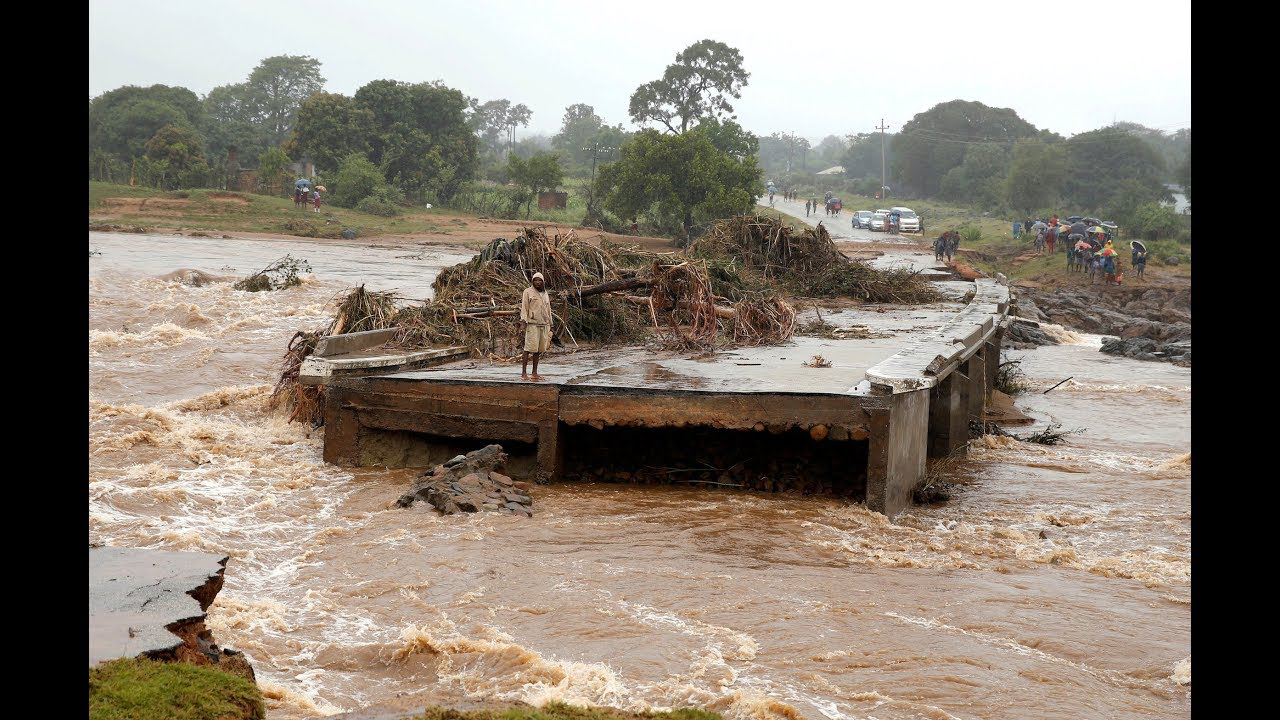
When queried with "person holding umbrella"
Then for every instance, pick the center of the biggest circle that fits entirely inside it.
(1139, 257)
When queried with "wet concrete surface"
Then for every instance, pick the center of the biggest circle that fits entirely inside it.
(135, 593)
(773, 369)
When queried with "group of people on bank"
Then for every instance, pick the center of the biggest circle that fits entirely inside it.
(1088, 244)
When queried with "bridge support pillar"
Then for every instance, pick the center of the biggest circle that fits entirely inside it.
(898, 451)
(976, 371)
(948, 415)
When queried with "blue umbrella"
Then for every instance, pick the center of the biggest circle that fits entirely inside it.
(302, 182)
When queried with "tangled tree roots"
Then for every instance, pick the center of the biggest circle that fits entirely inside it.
(807, 262)
(305, 403)
(281, 274)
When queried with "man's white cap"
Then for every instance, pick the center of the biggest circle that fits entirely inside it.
(537, 275)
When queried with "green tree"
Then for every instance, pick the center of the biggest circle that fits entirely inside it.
(235, 120)
(677, 180)
(539, 173)
(577, 129)
(180, 149)
(330, 127)
(937, 140)
(728, 137)
(1103, 163)
(828, 152)
(697, 85)
(121, 121)
(1153, 221)
(278, 86)
(421, 139)
(356, 179)
(495, 122)
(783, 152)
(1035, 175)
(862, 158)
(272, 165)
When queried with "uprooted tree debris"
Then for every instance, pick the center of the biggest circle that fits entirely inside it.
(727, 290)
(281, 274)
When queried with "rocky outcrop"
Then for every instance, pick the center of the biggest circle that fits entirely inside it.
(152, 603)
(1141, 348)
(1160, 314)
(1146, 323)
(472, 483)
(1024, 334)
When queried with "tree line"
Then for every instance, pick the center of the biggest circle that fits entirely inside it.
(991, 159)
(393, 144)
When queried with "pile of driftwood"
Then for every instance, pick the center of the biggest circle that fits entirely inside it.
(601, 294)
(806, 262)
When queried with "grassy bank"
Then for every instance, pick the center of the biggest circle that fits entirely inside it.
(139, 689)
(214, 210)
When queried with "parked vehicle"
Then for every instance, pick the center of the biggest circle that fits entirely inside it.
(908, 221)
(877, 221)
(862, 219)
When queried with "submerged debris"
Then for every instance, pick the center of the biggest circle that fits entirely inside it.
(281, 274)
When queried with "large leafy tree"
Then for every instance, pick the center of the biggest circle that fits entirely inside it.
(979, 178)
(421, 139)
(1035, 175)
(235, 120)
(121, 121)
(330, 127)
(783, 152)
(539, 173)
(697, 85)
(863, 156)
(578, 128)
(278, 86)
(728, 137)
(179, 153)
(829, 152)
(677, 180)
(1104, 164)
(495, 122)
(935, 141)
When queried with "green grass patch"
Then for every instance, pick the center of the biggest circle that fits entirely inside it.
(561, 711)
(140, 689)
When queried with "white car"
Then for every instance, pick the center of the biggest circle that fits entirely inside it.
(908, 220)
(877, 222)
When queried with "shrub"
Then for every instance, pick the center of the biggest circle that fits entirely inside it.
(971, 235)
(384, 201)
(1153, 221)
(357, 178)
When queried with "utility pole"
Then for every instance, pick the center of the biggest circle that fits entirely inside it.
(595, 150)
(882, 127)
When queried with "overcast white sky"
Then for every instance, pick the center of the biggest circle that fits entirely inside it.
(816, 68)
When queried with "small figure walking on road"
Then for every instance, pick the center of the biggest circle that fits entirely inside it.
(535, 316)
(807, 207)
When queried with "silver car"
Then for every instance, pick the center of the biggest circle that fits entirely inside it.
(862, 219)
(877, 222)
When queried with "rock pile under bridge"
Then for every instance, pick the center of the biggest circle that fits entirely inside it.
(472, 483)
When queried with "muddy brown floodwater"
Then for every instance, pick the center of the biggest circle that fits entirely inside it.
(751, 604)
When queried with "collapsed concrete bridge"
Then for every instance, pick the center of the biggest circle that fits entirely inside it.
(881, 409)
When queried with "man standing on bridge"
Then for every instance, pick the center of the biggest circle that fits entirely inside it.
(535, 316)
